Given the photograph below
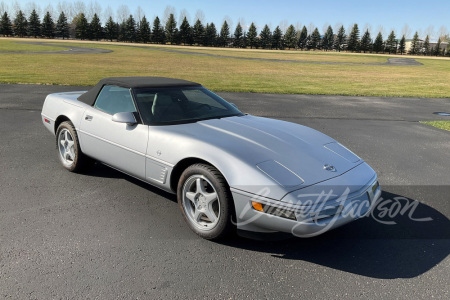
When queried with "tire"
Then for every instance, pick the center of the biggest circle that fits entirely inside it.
(206, 202)
(68, 148)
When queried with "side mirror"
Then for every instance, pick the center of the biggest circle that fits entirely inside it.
(124, 117)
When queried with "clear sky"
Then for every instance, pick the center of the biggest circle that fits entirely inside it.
(425, 16)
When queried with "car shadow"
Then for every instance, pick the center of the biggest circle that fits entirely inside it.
(103, 171)
(369, 247)
(387, 246)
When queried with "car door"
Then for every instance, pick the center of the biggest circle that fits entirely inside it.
(119, 145)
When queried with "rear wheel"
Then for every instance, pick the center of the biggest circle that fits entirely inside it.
(68, 146)
(205, 201)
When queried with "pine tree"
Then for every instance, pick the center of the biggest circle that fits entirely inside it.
(340, 39)
(290, 37)
(378, 44)
(34, 24)
(315, 39)
(211, 35)
(366, 41)
(185, 32)
(415, 45)
(48, 26)
(5, 25)
(111, 30)
(20, 24)
(401, 45)
(252, 36)
(277, 38)
(95, 28)
(81, 27)
(391, 43)
(198, 32)
(62, 27)
(303, 37)
(353, 41)
(437, 49)
(426, 46)
(238, 36)
(224, 34)
(144, 30)
(171, 26)
(266, 38)
(122, 32)
(130, 29)
(157, 31)
(327, 42)
(244, 40)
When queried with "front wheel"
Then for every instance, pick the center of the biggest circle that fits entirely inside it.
(68, 146)
(205, 201)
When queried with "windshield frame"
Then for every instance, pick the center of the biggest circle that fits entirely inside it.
(234, 111)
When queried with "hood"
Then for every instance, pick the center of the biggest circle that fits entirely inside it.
(288, 153)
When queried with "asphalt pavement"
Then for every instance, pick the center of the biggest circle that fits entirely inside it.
(102, 234)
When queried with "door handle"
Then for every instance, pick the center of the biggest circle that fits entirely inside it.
(88, 118)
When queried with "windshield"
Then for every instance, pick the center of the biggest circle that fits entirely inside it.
(177, 105)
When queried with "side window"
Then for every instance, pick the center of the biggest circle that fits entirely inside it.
(114, 99)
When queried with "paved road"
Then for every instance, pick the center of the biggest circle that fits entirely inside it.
(103, 234)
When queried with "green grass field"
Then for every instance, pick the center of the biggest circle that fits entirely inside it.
(228, 74)
(12, 45)
(438, 124)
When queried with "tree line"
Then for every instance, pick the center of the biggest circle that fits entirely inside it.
(141, 31)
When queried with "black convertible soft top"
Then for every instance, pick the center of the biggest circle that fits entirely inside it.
(133, 82)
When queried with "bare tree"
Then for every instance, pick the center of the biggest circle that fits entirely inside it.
(324, 27)
(139, 13)
(421, 33)
(367, 27)
(229, 21)
(78, 8)
(30, 7)
(349, 29)
(406, 31)
(200, 15)
(298, 26)
(284, 24)
(123, 12)
(311, 28)
(380, 28)
(430, 32)
(49, 8)
(241, 21)
(93, 8)
(67, 8)
(184, 14)
(442, 32)
(3, 7)
(15, 8)
(108, 12)
(169, 10)
(337, 26)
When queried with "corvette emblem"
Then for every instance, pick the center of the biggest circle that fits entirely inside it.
(330, 168)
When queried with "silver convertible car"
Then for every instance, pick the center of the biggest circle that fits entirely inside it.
(231, 171)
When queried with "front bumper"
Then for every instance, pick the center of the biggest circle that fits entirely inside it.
(309, 212)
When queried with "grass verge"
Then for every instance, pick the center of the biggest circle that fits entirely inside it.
(16, 46)
(438, 124)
